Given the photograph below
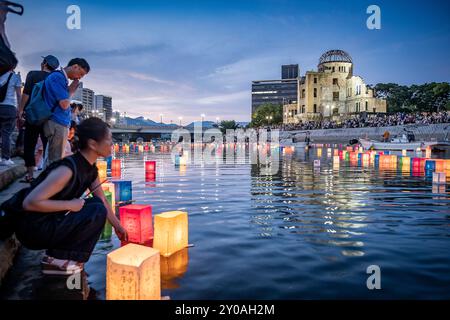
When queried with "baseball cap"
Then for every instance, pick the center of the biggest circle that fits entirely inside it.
(51, 61)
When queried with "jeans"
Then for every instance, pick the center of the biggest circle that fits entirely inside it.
(7, 124)
(69, 237)
(32, 134)
(57, 139)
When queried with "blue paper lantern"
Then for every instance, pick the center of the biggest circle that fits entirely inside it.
(123, 190)
(430, 166)
(108, 162)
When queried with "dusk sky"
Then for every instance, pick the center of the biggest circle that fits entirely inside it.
(185, 58)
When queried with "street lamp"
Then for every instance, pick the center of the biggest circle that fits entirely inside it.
(180, 118)
(217, 120)
(203, 117)
(161, 115)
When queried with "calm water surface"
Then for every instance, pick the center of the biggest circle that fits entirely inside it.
(303, 233)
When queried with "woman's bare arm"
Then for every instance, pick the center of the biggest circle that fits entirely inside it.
(38, 199)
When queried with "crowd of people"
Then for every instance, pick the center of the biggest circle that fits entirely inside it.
(54, 212)
(371, 120)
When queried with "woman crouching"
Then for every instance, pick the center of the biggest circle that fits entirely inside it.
(56, 218)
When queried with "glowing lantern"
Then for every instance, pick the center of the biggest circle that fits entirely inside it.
(349, 149)
(347, 156)
(137, 220)
(419, 152)
(317, 163)
(404, 153)
(116, 168)
(361, 150)
(405, 161)
(319, 153)
(171, 232)
(428, 152)
(110, 188)
(335, 152)
(133, 273)
(123, 190)
(439, 177)
(366, 157)
(141, 148)
(439, 165)
(108, 162)
(447, 165)
(107, 229)
(336, 160)
(430, 165)
(116, 148)
(353, 156)
(150, 167)
(101, 166)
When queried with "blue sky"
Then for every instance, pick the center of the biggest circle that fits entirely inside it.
(185, 58)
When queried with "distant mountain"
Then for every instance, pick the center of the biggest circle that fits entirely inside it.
(206, 124)
(141, 121)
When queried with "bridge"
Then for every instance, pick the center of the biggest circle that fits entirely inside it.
(131, 133)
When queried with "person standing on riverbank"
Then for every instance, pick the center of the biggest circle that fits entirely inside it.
(33, 132)
(10, 94)
(57, 95)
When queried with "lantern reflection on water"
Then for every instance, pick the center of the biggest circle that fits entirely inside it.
(133, 273)
(173, 268)
(439, 178)
(150, 167)
(171, 232)
(137, 220)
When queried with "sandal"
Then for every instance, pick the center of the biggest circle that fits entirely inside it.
(27, 180)
(53, 266)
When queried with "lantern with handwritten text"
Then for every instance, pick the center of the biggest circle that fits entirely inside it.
(133, 273)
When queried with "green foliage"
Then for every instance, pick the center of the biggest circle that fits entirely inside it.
(427, 97)
(267, 114)
(227, 124)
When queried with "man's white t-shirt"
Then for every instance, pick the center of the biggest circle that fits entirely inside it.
(14, 83)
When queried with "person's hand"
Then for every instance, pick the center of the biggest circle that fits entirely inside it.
(75, 205)
(121, 233)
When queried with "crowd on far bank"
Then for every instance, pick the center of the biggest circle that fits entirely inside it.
(372, 120)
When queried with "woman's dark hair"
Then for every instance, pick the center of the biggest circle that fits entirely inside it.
(91, 128)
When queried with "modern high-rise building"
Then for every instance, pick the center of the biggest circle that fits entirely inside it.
(289, 71)
(103, 104)
(277, 92)
(87, 97)
(332, 92)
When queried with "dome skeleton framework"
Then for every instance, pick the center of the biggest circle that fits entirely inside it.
(335, 56)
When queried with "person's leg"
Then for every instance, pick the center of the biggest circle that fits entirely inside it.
(8, 120)
(43, 138)
(78, 232)
(66, 237)
(30, 140)
(57, 136)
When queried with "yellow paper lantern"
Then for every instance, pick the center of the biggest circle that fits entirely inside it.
(170, 232)
(319, 152)
(133, 273)
(102, 166)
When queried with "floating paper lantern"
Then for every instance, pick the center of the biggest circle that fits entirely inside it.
(447, 165)
(116, 148)
(405, 161)
(171, 232)
(107, 229)
(430, 165)
(317, 163)
(102, 167)
(116, 168)
(336, 160)
(366, 157)
(141, 148)
(137, 220)
(110, 187)
(428, 152)
(349, 149)
(439, 177)
(319, 153)
(335, 152)
(353, 156)
(133, 273)
(123, 190)
(347, 156)
(150, 166)
(108, 162)
(439, 165)
(404, 153)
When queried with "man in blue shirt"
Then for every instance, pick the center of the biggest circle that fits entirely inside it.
(57, 94)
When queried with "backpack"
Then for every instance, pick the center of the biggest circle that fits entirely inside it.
(4, 88)
(38, 112)
(11, 211)
(8, 60)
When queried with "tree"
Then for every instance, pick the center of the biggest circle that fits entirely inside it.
(227, 124)
(267, 114)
